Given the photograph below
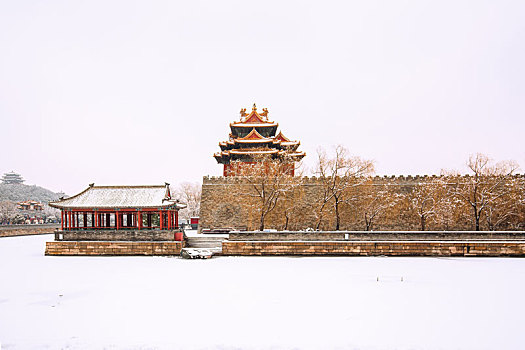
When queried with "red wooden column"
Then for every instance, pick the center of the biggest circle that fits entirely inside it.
(95, 219)
(168, 213)
(69, 216)
(117, 221)
(62, 220)
(176, 218)
(139, 220)
(161, 220)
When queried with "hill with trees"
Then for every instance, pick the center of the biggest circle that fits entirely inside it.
(21, 192)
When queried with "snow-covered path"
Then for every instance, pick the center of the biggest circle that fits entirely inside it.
(257, 303)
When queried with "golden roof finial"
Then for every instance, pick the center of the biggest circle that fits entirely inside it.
(264, 113)
(254, 107)
(243, 112)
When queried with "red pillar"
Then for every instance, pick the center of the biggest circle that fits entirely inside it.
(69, 216)
(62, 220)
(117, 223)
(176, 218)
(161, 220)
(139, 219)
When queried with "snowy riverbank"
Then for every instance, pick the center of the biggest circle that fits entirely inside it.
(257, 302)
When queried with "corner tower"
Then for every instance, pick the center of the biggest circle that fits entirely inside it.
(254, 136)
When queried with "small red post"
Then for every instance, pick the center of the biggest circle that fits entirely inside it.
(160, 220)
(62, 220)
(117, 221)
(139, 219)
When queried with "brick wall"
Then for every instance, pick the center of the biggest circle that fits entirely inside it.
(367, 248)
(24, 230)
(112, 248)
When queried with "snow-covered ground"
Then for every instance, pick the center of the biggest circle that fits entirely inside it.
(257, 303)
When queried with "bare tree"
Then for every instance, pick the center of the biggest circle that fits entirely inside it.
(269, 181)
(504, 204)
(485, 185)
(189, 193)
(338, 174)
(375, 200)
(425, 199)
(8, 211)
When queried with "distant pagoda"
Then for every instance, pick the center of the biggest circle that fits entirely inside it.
(12, 178)
(254, 136)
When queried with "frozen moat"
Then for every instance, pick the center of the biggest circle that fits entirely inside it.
(257, 302)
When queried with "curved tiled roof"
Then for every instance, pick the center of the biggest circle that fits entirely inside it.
(253, 137)
(120, 197)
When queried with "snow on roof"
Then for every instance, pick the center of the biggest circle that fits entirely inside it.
(120, 197)
(253, 125)
(249, 151)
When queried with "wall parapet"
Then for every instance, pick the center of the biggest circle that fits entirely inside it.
(375, 235)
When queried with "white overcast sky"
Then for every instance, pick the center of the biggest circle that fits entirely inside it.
(141, 92)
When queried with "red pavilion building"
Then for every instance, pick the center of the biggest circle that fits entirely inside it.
(120, 208)
(254, 136)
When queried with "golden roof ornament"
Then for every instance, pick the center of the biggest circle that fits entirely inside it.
(243, 112)
(254, 108)
(264, 113)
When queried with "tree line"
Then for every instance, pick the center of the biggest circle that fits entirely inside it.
(347, 196)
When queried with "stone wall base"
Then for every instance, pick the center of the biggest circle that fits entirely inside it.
(376, 248)
(112, 248)
(115, 235)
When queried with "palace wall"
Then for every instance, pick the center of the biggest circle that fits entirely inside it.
(227, 202)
